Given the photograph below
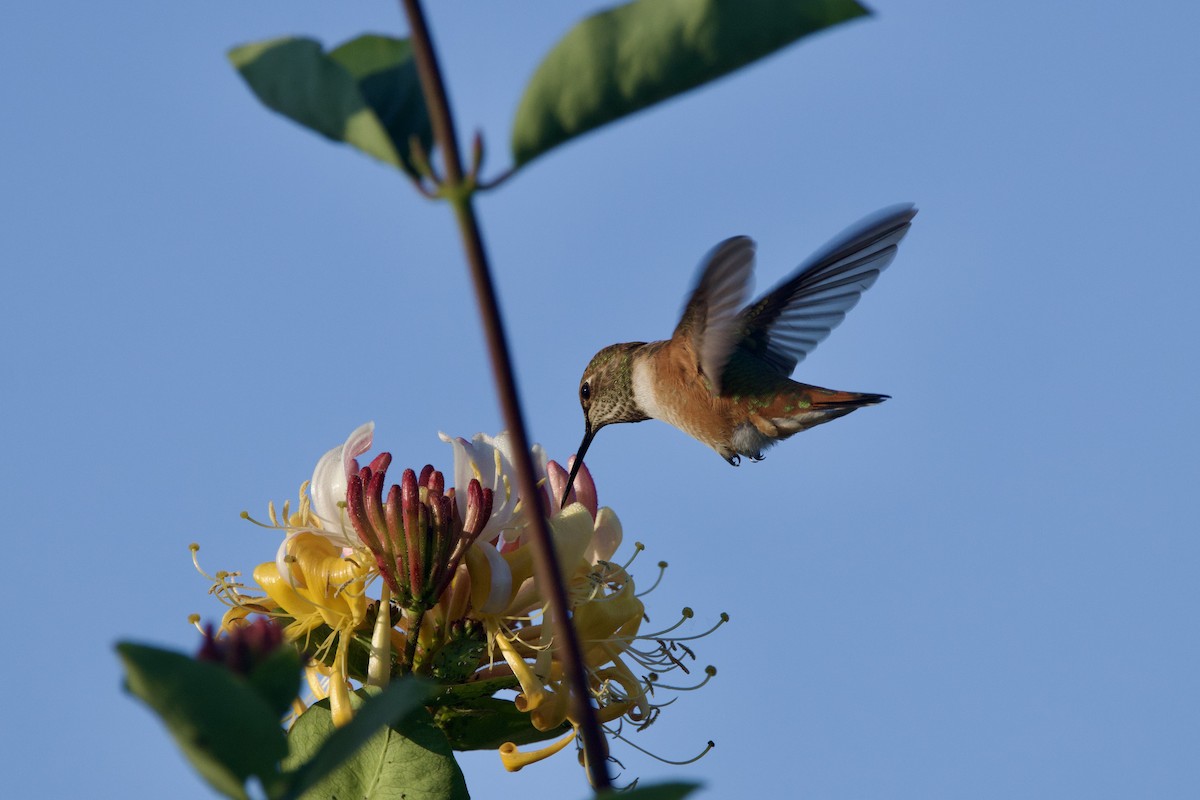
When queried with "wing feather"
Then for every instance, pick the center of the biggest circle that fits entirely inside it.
(787, 323)
(710, 318)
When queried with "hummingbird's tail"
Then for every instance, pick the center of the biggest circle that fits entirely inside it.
(828, 406)
(823, 405)
(790, 415)
(829, 400)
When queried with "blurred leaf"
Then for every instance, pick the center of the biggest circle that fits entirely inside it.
(676, 790)
(277, 679)
(489, 722)
(222, 724)
(409, 758)
(635, 55)
(365, 92)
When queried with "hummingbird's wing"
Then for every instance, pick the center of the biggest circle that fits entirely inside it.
(710, 318)
(784, 325)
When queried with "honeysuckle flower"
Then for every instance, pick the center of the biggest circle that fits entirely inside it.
(488, 460)
(325, 515)
(319, 576)
(457, 566)
(583, 490)
(606, 611)
(321, 587)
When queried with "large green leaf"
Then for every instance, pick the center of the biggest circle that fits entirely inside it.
(387, 707)
(488, 722)
(632, 56)
(222, 724)
(408, 759)
(365, 92)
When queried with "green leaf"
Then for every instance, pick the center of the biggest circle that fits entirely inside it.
(641, 53)
(365, 92)
(388, 707)
(222, 724)
(676, 790)
(409, 758)
(277, 679)
(488, 722)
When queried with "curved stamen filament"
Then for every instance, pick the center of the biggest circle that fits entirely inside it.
(692, 760)
(662, 570)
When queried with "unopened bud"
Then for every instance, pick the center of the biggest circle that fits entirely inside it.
(242, 649)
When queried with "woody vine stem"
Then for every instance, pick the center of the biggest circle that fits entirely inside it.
(458, 191)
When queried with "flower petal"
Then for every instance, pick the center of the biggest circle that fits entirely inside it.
(607, 537)
(584, 488)
(464, 470)
(572, 537)
(329, 481)
(488, 460)
(491, 579)
(556, 479)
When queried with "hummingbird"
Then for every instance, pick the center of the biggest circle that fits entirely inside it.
(722, 377)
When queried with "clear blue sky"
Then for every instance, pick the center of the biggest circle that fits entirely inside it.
(986, 587)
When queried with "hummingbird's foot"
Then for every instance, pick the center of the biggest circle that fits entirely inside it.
(734, 460)
(757, 457)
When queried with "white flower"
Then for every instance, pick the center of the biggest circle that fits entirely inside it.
(327, 489)
(489, 460)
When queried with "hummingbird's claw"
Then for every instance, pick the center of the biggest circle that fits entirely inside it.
(734, 460)
(757, 457)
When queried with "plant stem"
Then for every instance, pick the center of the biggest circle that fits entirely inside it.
(546, 565)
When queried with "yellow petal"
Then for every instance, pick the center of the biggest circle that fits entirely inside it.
(533, 693)
(513, 759)
(339, 688)
(601, 618)
(572, 536)
(284, 594)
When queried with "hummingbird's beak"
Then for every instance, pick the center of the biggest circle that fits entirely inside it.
(588, 435)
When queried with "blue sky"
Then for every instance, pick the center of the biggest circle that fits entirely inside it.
(986, 587)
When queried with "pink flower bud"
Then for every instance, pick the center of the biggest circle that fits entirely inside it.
(584, 488)
(426, 472)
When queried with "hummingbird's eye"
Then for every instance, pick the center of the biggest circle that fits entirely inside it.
(585, 391)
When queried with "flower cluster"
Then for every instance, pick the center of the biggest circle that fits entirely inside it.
(420, 578)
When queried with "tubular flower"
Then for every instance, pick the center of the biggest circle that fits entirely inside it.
(320, 600)
(488, 460)
(605, 609)
(458, 601)
(316, 586)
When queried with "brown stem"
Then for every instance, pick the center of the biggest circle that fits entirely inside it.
(546, 565)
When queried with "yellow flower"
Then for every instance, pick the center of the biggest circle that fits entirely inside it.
(604, 606)
(319, 575)
(459, 600)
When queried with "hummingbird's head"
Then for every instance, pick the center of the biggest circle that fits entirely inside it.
(606, 388)
(606, 395)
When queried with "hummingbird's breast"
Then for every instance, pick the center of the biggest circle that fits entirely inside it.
(668, 386)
